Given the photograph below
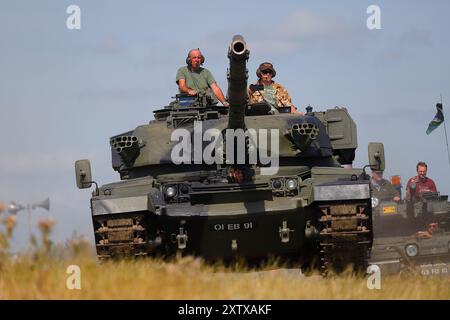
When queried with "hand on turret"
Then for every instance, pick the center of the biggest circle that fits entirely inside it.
(191, 92)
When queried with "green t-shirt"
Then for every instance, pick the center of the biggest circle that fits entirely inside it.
(199, 80)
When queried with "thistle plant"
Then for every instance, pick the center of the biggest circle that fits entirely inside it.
(46, 226)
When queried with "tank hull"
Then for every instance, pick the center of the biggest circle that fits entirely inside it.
(219, 227)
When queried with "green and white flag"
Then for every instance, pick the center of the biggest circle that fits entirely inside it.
(438, 119)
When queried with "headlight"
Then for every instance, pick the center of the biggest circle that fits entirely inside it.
(171, 192)
(375, 202)
(277, 184)
(291, 184)
(411, 250)
(184, 189)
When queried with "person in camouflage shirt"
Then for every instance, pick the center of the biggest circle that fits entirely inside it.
(274, 93)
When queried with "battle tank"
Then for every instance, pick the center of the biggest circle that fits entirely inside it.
(301, 205)
(411, 235)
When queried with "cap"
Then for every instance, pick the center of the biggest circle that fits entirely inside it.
(265, 66)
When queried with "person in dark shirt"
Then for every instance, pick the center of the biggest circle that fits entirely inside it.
(382, 188)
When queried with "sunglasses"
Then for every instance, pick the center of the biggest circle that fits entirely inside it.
(266, 71)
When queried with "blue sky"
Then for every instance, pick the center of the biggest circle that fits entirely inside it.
(63, 92)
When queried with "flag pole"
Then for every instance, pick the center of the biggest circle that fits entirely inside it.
(445, 131)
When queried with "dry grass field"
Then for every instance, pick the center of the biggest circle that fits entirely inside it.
(39, 276)
(45, 278)
(41, 273)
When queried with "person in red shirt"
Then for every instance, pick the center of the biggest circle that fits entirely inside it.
(419, 184)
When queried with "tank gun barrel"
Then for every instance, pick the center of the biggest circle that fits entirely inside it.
(238, 55)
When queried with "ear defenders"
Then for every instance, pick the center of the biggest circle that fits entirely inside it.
(188, 58)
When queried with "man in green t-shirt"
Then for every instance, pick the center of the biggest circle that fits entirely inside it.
(194, 79)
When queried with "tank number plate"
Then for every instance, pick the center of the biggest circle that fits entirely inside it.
(438, 269)
(233, 226)
(389, 210)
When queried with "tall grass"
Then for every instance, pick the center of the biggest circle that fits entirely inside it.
(40, 273)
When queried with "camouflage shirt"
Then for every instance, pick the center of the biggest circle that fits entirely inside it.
(282, 97)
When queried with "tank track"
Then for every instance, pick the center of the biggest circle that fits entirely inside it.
(121, 237)
(345, 237)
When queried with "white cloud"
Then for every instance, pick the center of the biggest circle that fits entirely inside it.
(304, 23)
(302, 29)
